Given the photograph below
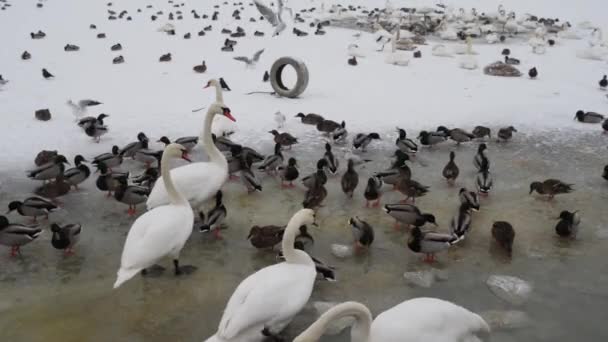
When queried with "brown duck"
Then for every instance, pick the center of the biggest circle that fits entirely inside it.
(551, 187)
(284, 139)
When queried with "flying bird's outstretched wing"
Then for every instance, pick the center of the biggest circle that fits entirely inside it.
(256, 56)
(267, 12)
(243, 59)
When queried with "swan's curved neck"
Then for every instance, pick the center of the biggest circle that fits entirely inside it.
(292, 255)
(360, 330)
(215, 156)
(219, 97)
(175, 197)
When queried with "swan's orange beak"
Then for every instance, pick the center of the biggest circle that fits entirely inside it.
(227, 114)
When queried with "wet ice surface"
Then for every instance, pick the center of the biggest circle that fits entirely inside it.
(47, 297)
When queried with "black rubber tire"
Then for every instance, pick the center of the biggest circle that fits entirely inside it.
(277, 82)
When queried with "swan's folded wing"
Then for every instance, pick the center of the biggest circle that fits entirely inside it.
(272, 295)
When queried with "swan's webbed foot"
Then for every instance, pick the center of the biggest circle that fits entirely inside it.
(183, 270)
(153, 271)
(271, 337)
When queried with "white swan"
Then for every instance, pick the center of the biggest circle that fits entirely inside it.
(272, 296)
(197, 181)
(441, 51)
(468, 61)
(415, 320)
(396, 57)
(159, 232)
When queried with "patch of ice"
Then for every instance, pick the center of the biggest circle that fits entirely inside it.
(506, 319)
(511, 289)
(425, 278)
(341, 251)
(336, 326)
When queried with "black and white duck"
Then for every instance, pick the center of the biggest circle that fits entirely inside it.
(78, 174)
(404, 143)
(461, 221)
(289, 173)
(431, 138)
(481, 158)
(481, 132)
(411, 189)
(111, 160)
(15, 235)
(147, 178)
(65, 237)
(214, 218)
(470, 198)
(315, 195)
(550, 188)
(128, 151)
(109, 181)
(429, 243)
(272, 162)
(373, 191)
(310, 119)
(588, 117)
(327, 126)
(90, 120)
(363, 233)
(50, 170)
(187, 142)
(319, 175)
(506, 133)
(484, 180)
(451, 170)
(95, 131)
(132, 195)
(249, 179)
(409, 215)
(568, 224)
(350, 179)
(362, 140)
(339, 134)
(33, 207)
(332, 162)
(504, 234)
(511, 61)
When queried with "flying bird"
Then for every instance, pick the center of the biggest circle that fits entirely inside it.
(273, 18)
(250, 61)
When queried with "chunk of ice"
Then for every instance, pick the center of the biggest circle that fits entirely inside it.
(510, 289)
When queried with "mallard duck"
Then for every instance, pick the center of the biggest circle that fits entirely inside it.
(148, 156)
(78, 174)
(429, 243)
(350, 179)
(147, 178)
(511, 61)
(470, 198)
(131, 195)
(325, 271)
(165, 58)
(408, 214)
(504, 234)
(15, 235)
(451, 171)
(45, 156)
(363, 232)
(327, 126)
(362, 140)
(373, 191)
(332, 162)
(310, 119)
(480, 160)
(315, 195)
(551, 187)
(49, 170)
(506, 133)
(461, 221)
(222, 143)
(64, 238)
(289, 173)
(568, 224)
(88, 120)
(187, 142)
(319, 175)
(339, 134)
(484, 181)
(129, 150)
(272, 162)
(481, 132)
(459, 135)
(411, 189)
(404, 143)
(215, 217)
(249, 179)
(108, 180)
(264, 237)
(111, 160)
(284, 139)
(33, 207)
(431, 139)
(588, 117)
(201, 68)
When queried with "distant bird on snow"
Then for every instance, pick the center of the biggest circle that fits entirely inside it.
(2, 81)
(250, 62)
(46, 74)
(224, 85)
(603, 83)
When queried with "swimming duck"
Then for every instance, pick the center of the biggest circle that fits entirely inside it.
(111, 160)
(131, 195)
(411, 189)
(49, 170)
(315, 195)
(310, 119)
(332, 162)
(603, 83)
(215, 217)
(284, 139)
(350, 179)
(481, 132)
(511, 61)
(361, 140)
(108, 180)
(551, 187)
(588, 117)
(187, 142)
(429, 243)
(404, 143)
(451, 171)
(480, 158)
(200, 68)
(430, 139)
(339, 134)
(78, 174)
(470, 198)
(33, 207)
(363, 232)
(249, 178)
(461, 221)
(504, 234)
(289, 173)
(568, 224)
(272, 162)
(319, 175)
(64, 238)
(327, 126)
(15, 235)
(129, 150)
(506, 133)
(373, 191)
(409, 215)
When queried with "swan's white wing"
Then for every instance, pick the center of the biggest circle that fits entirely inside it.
(267, 13)
(271, 296)
(196, 181)
(429, 320)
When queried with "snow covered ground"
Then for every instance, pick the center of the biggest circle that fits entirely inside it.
(157, 98)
